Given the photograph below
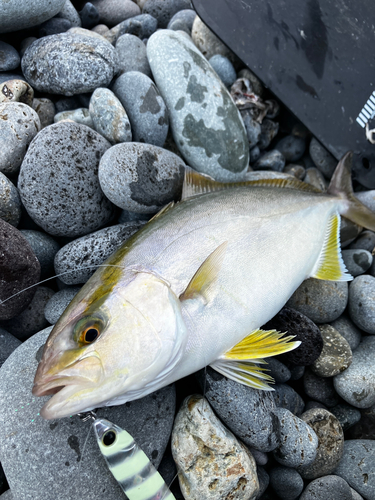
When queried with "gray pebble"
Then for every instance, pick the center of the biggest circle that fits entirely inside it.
(264, 481)
(19, 124)
(142, 26)
(320, 389)
(207, 42)
(348, 330)
(272, 160)
(357, 261)
(67, 104)
(224, 69)
(16, 91)
(164, 10)
(298, 442)
(255, 153)
(356, 495)
(357, 466)
(113, 12)
(7, 495)
(16, 15)
(296, 372)
(348, 232)
(362, 302)
(69, 64)
(144, 106)
(58, 303)
(126, 216)
(10, 201)
(89, 16)
(182, 20)
(310, 405)
(357, 384)
(253, 130)
(109, 117)
(69, 12)
(365, 427)
(54, 26)
(331, 443)
(321, 301)
(297, 171)
(291, 147)
(45, 110)
(365, 241)
(286, 397)
(314, 177)
(101, 29)
(367, 198)
(44, 247)
(278, 371)
(81, 256)
(9, 57)
(80, 115)
(5, 77)
(346, 414)
(269, 130)
(327, 487)
(260, 457)
(84, 32)
(25, 43)
(322, 159)
(65, 155)
(287, 483)
(141, 178)
(132, 55)
(8, 344)
(336, 355)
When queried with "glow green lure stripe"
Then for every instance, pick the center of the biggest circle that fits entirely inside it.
(129, 465)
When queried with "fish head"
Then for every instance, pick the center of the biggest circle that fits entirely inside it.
(111, 348)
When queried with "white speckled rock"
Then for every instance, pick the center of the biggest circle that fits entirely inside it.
(207, 126)
(19, 14)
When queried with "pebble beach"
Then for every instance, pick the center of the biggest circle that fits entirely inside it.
(103, 106)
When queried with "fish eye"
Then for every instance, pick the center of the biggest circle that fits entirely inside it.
(109, 438)
(87, 330)
(91, 334)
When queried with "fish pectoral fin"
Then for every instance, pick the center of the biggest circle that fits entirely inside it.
(206, 275)
(245, 372)
(330, 265)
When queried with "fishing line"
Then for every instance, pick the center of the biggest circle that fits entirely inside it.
(84, 449)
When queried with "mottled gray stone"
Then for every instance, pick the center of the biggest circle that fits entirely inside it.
(109, 117)
(57, 445)
(182, 20)
(357, 466)
(286, 397)
(320, 389)
(362, 302)
(224, 69)
(69, 12)
(336, 355)
(8, 344)
(347, 415)
(207, 42)
(322, 159)
(278, 371)
(59, 302)
(132, 55)
(19, 124)
(314, 177)
(54, 26)
(327, 487)
(10, 201)
(16, 15)
(164, 10)
(45, 110)
(287, 482)
(291, 147)
(82, 256)
(113, 12)
(298, 442)
(365, 241)
(141, 178)
(331, 443)
(142, 26)
(357, 261)
(357, 384)
(80, 115)
(207, 126)
(210, 461)
(9, 57)
(321, 301)
(272, 160)
(69, 64)
(44, 247)
(58, 181)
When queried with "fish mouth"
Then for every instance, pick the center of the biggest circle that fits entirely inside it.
(55, 384)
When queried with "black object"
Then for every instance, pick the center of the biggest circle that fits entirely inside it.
(317, 57)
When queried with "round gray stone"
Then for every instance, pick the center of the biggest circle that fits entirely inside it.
(164, 10)
(44, 247)
(89, 15)
(323, 160)
(9, 57)
(331, 443)
(182, 20)
(145, 107)
(79, 259)
(45, 110)
(207, 126)
(58, 181)
(8, 344)
(253, 130)
(19, 124)
(348, 330)
(109, 117)
(272, 160)
(113, 12)
(287, 483)
(141, 178)
(10, 201)
(336, 355)
(278, 371)
(54, 26)
(321, 301)
(286, 397)
(357, 384)
(357, 466)
(142, 26)
(357, 261)
(347, 415)
(362, 302)
(59, 302)
(132, 55)
(224, 69)
(291, 147)
(320, 389)
(327, 487)
(69, 64)
(16, 15)
(69, 12)
(314, 177)
(80, 115)
(365, 241)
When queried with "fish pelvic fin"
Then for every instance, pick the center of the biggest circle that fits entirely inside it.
(330, 265)
(341, 185)
(245, 373)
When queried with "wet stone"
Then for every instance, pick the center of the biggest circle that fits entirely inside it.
(113, 12)
(320, 389)
(286, 397)
(362, 302)
(58, 182)
(54, 26)
(8, 344)
(291, 147)
(182, 20)
(331, 443)
(15, 15)
(19, 124)
(132, 55)
(286, 482)
(211, 462)
(108, 116)
(321, 301)
(357, 384)
(82, 256)
(9, 57)
(347, 415)
(16, 91)
(207, 126)
(80, 115)
(332, 487)
(224, 69)
(59, 302)
(357, 261)
(272, 160)
(164, 10)
(45, 249)
(298, 442)
(69, 64)
(348, 330)
(322, 159)
(144, 106)
(140, 177)
(45, 110)
(10, 202)
(365, 241)
(336, 355)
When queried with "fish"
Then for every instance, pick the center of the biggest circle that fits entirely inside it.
(193, 287)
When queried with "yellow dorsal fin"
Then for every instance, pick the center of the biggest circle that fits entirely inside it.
(330, 265)
(196, 183)
(162, 211)
(206, 274)
(245, 373)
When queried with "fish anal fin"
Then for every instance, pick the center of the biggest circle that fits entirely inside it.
(246, 373)
(330, 265)
(206, 275)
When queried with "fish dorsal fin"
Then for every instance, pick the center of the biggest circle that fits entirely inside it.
(196, 184)
(330, 265)
(206, 274)
(162, 211)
